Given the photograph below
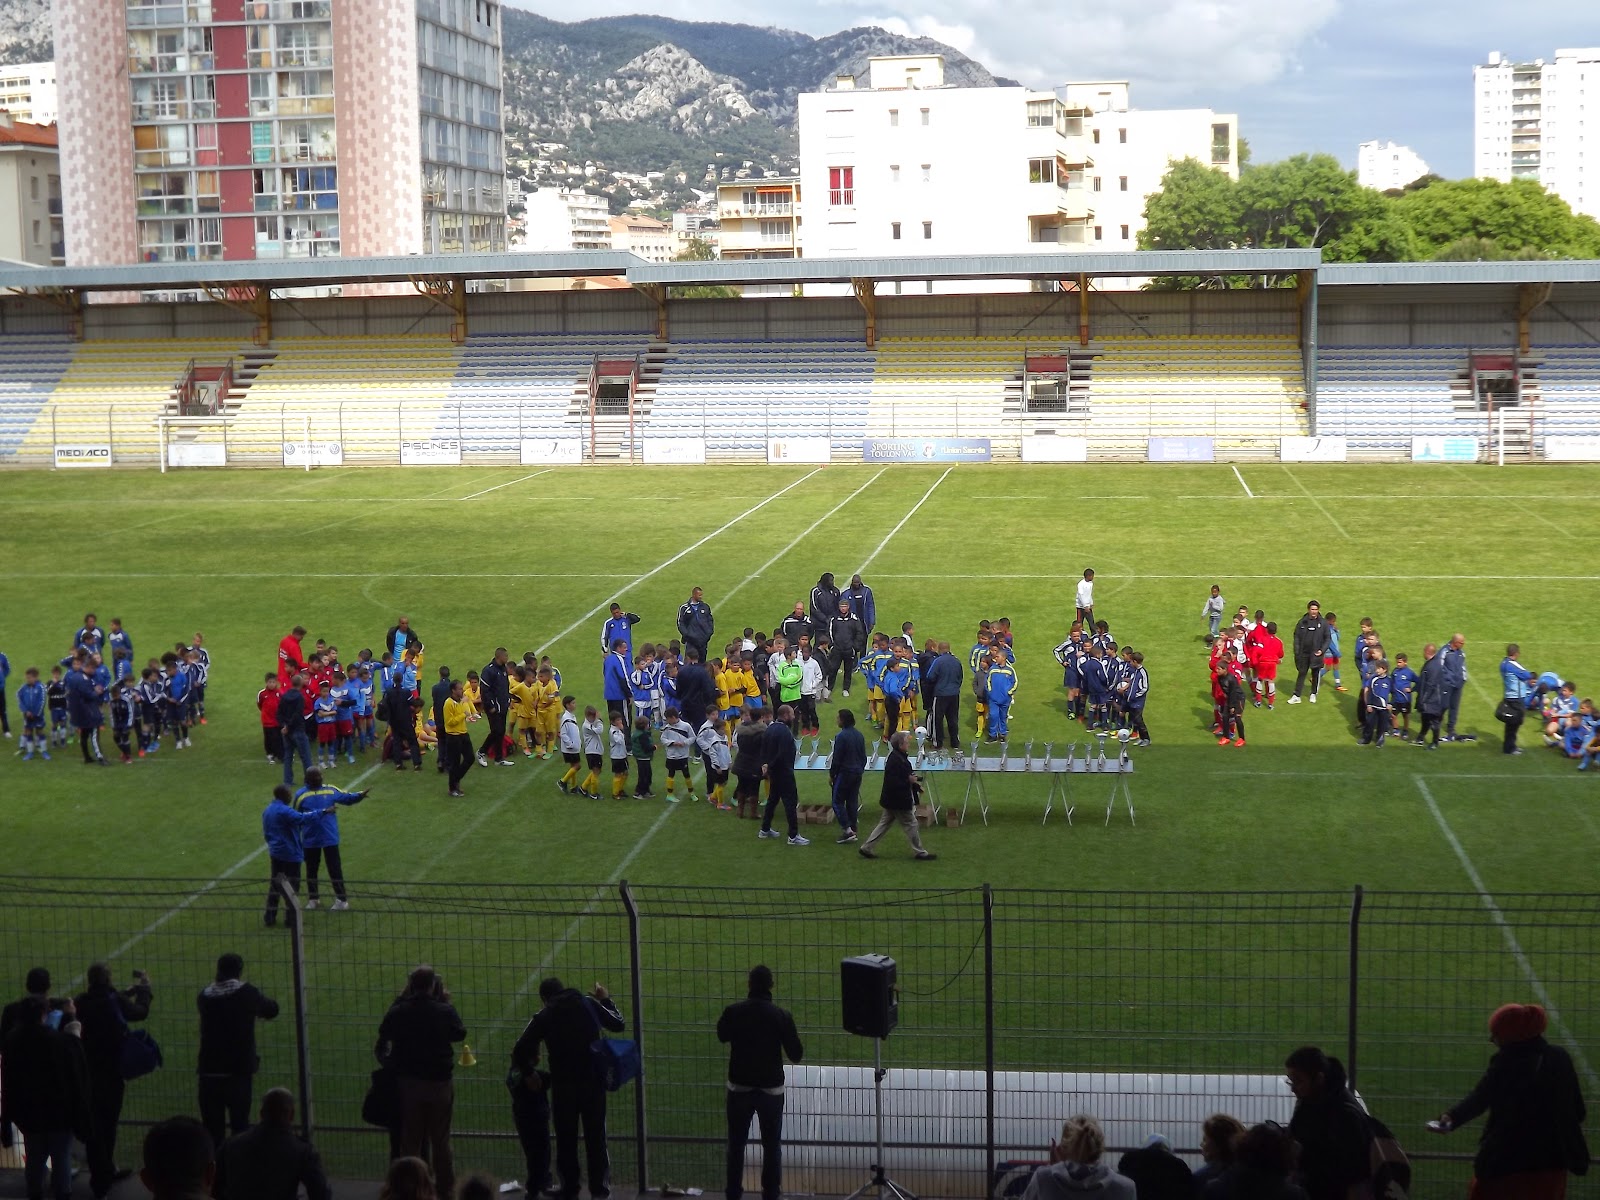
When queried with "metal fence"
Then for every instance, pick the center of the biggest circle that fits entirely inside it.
(1017, 1007)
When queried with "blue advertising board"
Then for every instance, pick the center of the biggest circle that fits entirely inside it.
(925, 450)
(1182, 449)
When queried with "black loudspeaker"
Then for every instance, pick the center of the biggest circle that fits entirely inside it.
(866, 984)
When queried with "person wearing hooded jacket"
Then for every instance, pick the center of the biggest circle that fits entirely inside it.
(416, 1039)
(567, 1027)
(1534, 1134)
(824, 602)
(848, 633)
(859, 596)
(229, 1008)
(44, 1093)
(1076, 1169)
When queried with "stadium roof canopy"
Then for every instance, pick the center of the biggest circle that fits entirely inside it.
(274, 274)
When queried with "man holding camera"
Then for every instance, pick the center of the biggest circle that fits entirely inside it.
(105, 1012)
(417, 1040)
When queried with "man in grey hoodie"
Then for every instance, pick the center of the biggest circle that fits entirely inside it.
(1075, 1168)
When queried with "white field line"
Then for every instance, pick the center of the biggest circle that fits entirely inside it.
(812, 528)
(507, 484)
(1318, 503)
(1245, 485)
(656, 570)
(1512, 944)
(577, 923)
(194, 896)
(1519, 780)
(903, 521)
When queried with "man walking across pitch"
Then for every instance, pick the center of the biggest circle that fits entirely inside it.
(320, 836)
(777, 766)
(229, 1008)
(758, 1035)
(495, 686)
(567, 1027)
(901, 787)
(1311, 639)
(847, 762)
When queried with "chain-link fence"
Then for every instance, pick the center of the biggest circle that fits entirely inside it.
(1017, 1007)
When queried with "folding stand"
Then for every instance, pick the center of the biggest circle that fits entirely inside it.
(975, 781)
(881, 1184)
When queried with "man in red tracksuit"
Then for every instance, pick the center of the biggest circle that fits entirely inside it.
(291, 658)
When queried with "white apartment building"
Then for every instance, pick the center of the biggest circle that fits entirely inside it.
(1388, 166)
(644, 236)
(28, 92)
(1529, 123)
(906, 165)
(558, 219)
(1132, 149)
(30, 194)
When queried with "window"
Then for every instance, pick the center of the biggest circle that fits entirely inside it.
(1122, 183)
(1041, 170)
(38, 239)
(927, 231)
(1124, 233)
(33, 187)
(894, 230)
(894, 118)
(1096, 137)
(925, 116)
(894, 173)
(927, 172)
(1097, 183)
(842, 187)
(1099, 232)
(1122, 135)
(1041, 114)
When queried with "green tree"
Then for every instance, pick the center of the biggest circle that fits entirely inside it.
(1197, 208)
(1311, 201)
(700, 250)
(1514, 216)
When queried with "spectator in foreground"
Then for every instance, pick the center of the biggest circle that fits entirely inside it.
(35, 987)
(1534, 1134)
(229, 1008)
(417, 1040)
(758, 1034)
(478, 1187)
(180, 1163)
(44, 1092)
(1157, 1173)
(408, 1179)
(105, 1013)
(269, 1161)
(1328, 1122)
(1264, 1160)
(1075, 1168)
(1219, 1135)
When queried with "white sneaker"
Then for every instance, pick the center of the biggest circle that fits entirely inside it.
(768, 833)
(847, 693)
(340, 905)
(1294, 699)
(310, 904)
(797, 840)
(1313, 697)
(508, 762)
(483, 760)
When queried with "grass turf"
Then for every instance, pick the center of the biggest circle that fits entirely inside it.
(479, 557)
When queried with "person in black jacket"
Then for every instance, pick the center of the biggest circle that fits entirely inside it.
(1157, 1172)
(568, 1026)
(1534, 1134)
(416, 1041)
(436, 697)
(1431, 697)
(229, 1008)
(697, 691)
(794, 626)
(269, 1161)
(400, 711)
(292, 735)
(494, 686)
(777, 767)
(696, 625)
(36, 987)
(1310, 644)
(395, 645)
(847, 761)
(44, 1092)
(1328, 1122)
(1264, 1157)
(105, 1013)
(758, 1035)
(901, 786)
(824, 603)
(849, 637)
(944, 678)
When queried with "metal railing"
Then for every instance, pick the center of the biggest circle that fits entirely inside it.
(1017, 1006)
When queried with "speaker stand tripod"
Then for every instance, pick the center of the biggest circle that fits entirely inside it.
(879, 1185)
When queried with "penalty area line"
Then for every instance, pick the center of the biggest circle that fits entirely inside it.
(871, 557)
(508, 483)
(1243, 484)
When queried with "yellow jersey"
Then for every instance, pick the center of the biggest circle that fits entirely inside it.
(748, 685)
(729, 685)
(546, 697)
(455, 715)
(521, 700)
(473, 695)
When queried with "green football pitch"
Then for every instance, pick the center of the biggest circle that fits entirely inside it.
(1212, 936)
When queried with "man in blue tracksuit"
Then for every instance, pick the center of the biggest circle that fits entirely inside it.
(1453, 677)
(1138, 692)
(696, 625)
(281, 824)
(618, 627)
(1378, 696)
(1519, 688)
(1001, 687)
(618, 682)
(319, 836)
(859, 596)
(84, 697)
(847, 761)
(945, 676)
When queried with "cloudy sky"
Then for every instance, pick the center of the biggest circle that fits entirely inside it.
(1301, 74)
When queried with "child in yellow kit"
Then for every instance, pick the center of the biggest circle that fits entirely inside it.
(519, 724)
(546, 712)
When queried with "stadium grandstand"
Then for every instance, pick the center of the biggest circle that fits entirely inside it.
(440, 361)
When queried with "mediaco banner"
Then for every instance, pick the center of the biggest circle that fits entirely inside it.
(313, 454)
(676, 451)
(810, 451)
(84, 454)
(552, 452)
(1444, 449)
(1049, 448)
(926, 450)
(431, 452)
(1312, 449)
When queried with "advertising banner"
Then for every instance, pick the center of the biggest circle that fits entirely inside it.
(1444, 449)
(1047, 448)
(431, 452)
(676, 451)
(315, 454)
(197, 454)
(1182, 449)
(1312, 449)
(808, 450)
(1572, 449)
(925, 450)
(552, 452)
(84, 454)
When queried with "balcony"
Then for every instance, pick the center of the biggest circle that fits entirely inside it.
(783, 208)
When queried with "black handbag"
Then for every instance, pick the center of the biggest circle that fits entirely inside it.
(381, 1107)
(1507, 710)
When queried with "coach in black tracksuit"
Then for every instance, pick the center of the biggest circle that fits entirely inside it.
(1310, 645)
(777, 764)
(494, 686)
(758, 1035)
(438, 695)
(849, 638)
(944, 677)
